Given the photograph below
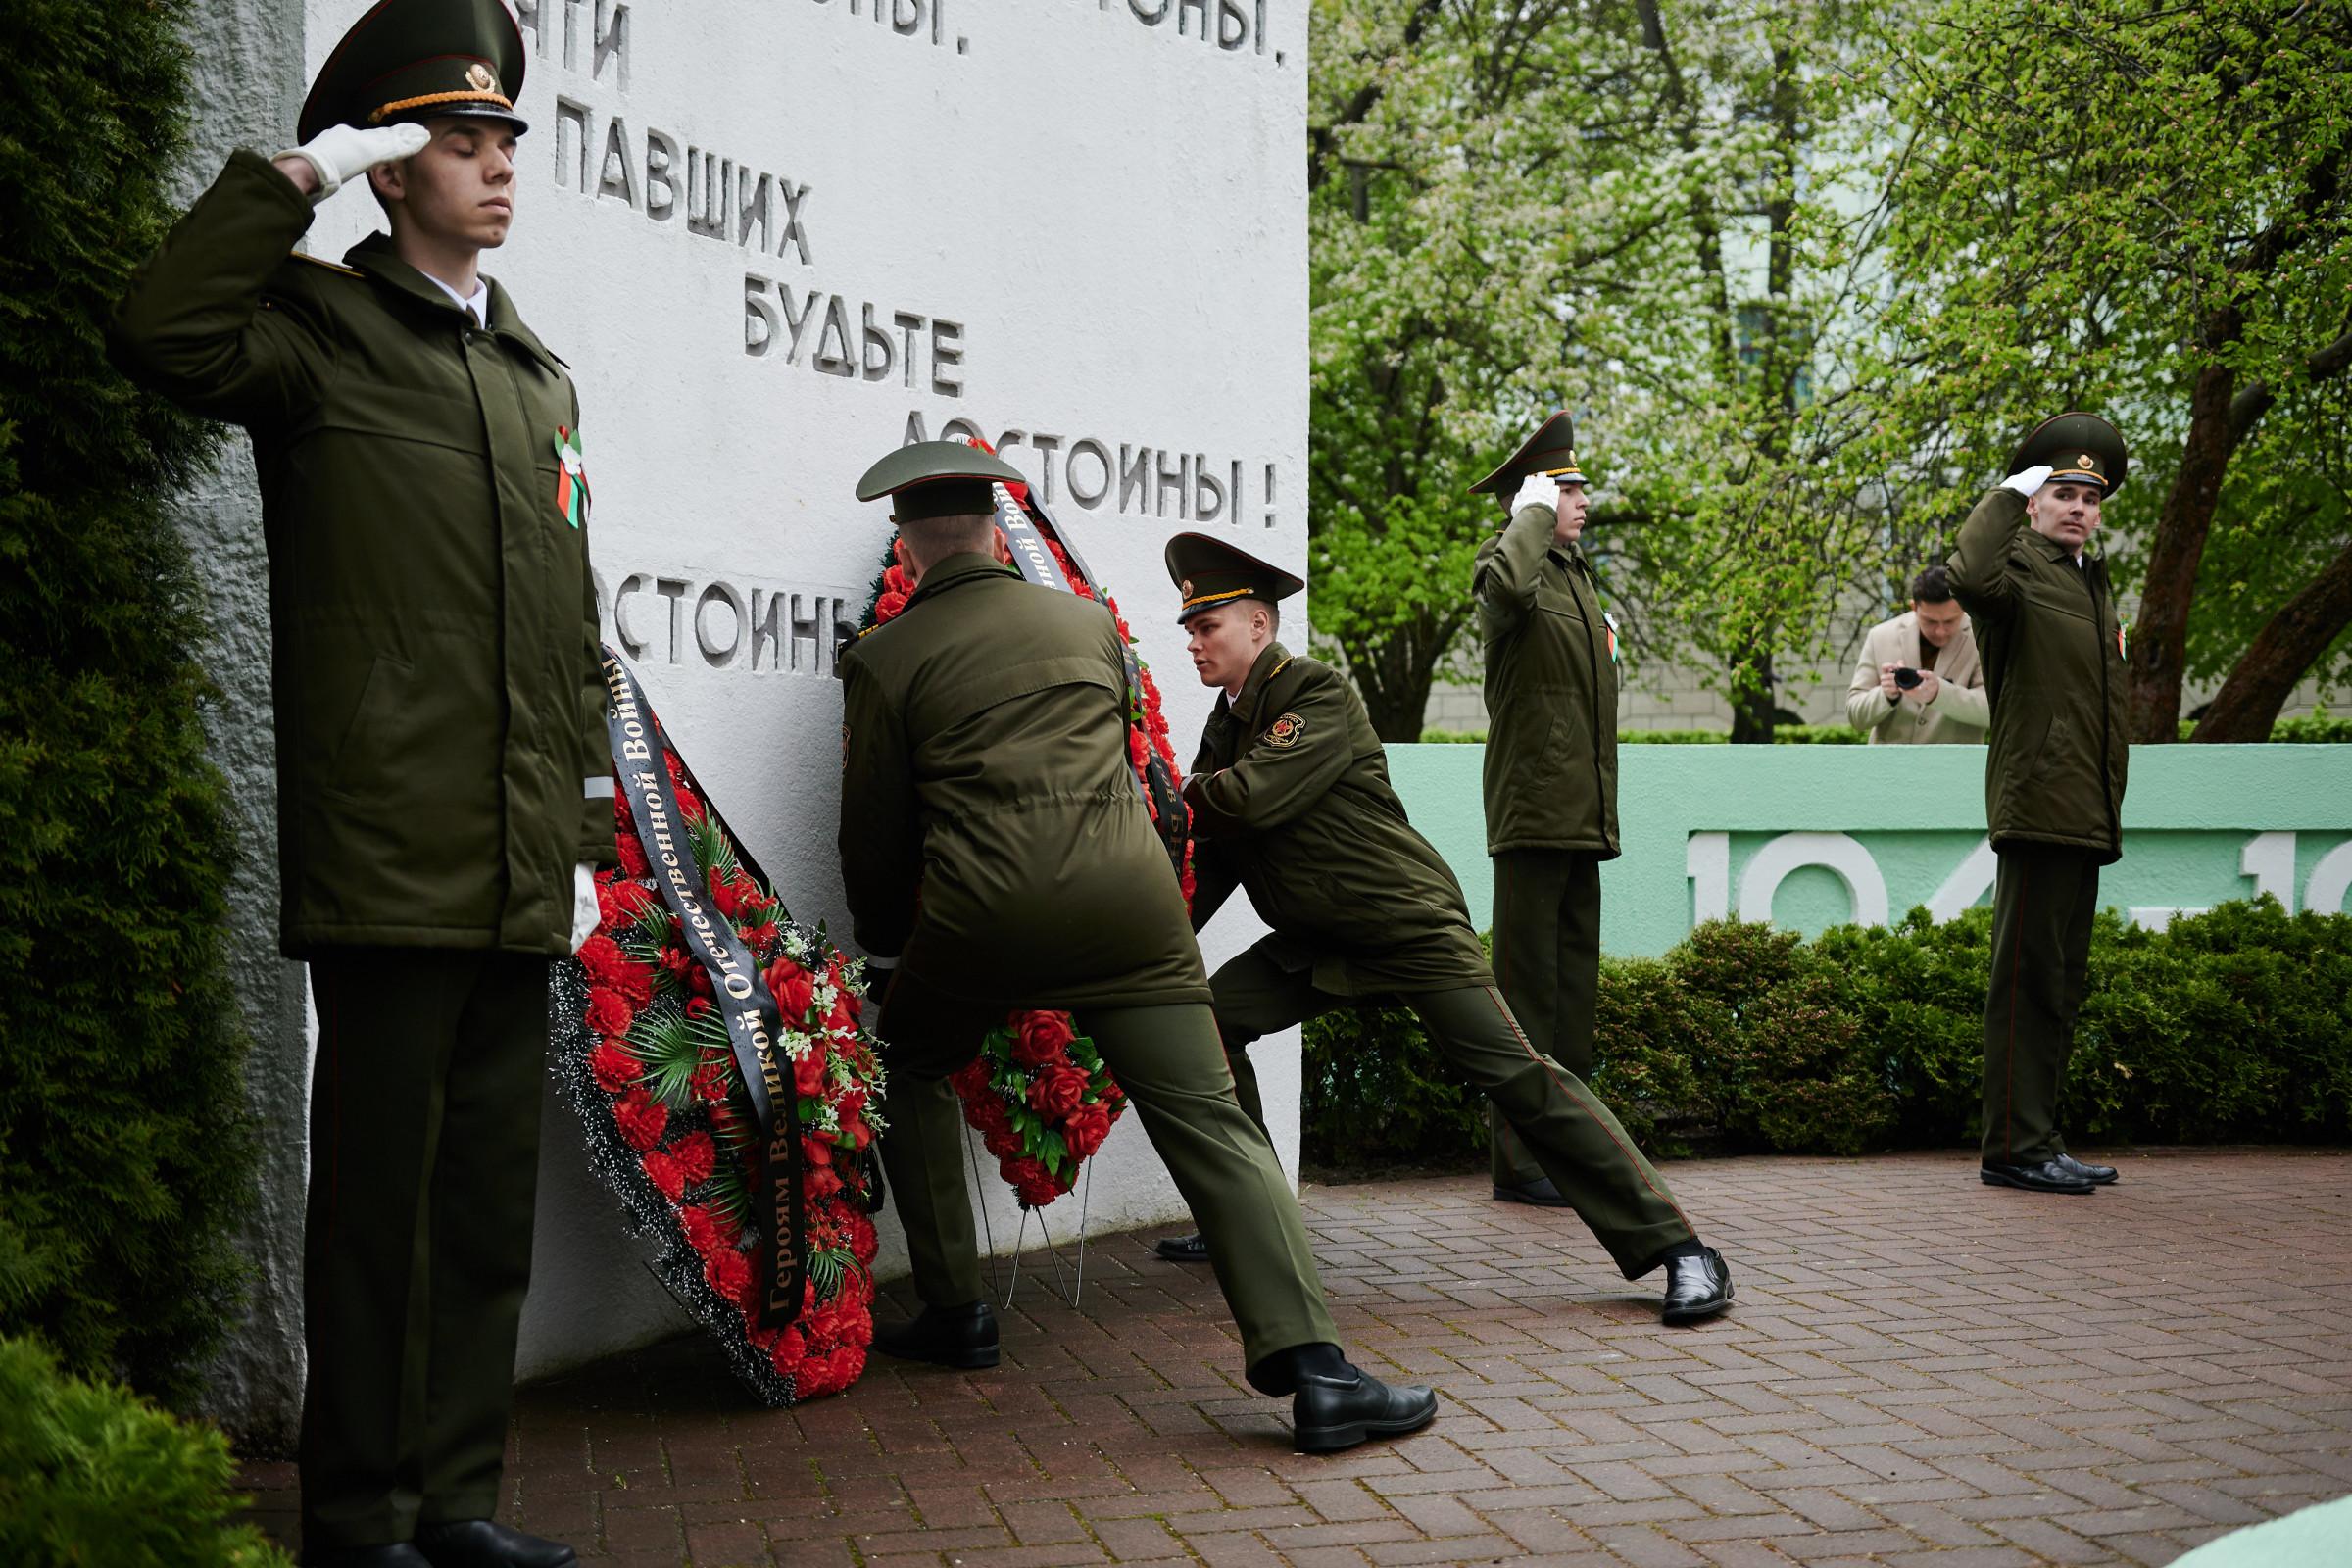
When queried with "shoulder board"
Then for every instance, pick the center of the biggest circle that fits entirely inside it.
(332, 266)
(1279, 668)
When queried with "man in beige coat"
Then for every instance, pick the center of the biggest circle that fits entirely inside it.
(1918, 682)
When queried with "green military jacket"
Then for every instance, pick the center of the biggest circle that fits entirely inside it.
(1552, 694)
(2053, 650)
(992, 835)
(441, 756)
(1290, 801)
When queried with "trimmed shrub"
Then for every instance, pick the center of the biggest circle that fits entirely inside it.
(123, 1150)
(89, 1474)
(2234, 1025)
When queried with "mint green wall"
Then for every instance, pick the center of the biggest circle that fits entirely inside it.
(2201, 825)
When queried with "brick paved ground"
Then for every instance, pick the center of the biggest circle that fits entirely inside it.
(1918, 1371)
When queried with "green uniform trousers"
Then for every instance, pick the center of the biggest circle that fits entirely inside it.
(1167, 1060)
(1575, 1139)
(1547, 962)
(417, 1247)
(2043, 901)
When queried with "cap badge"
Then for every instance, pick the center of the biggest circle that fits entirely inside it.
(478, 77)
(1185, 588)
(2086, 461)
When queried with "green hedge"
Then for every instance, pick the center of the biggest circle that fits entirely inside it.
(2313, 729)
(2234, 1025)
(90, 1474)
(123, 1150)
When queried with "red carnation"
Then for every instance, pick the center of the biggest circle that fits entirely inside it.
(724, 895)
(613, 1068)
(787, 1353)
(709, 1082)
(632, 854)
(608, 1011)
(762, 935)
(888, 605)
(729, 1273)
(1032, 1183)
(696, 1006)
(641, 1119)
(701, 1231)
(663, 1172)
(689, 807)
(1057, 1092)
(820, 1181)
(1042, 1037)
(971, 1079)
(599, 957)
(1139, 754)
(698, 981)
(676, 960)
(696, 1154)
(1002, 1141)
(893, 579)
(1086, 1129)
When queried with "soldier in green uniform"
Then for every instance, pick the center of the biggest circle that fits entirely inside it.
(997, 853)
(1290, 801)
(1550, 770)
(443, 778)
(2053, 656)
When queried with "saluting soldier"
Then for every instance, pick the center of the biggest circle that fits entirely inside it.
(1550, 770)
(997, 853)
(1290, 801)
(442, 769)
(2053, 654)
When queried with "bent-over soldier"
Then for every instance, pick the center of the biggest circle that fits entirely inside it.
(1290, 801)
(2053, 654)
(997, 853)
(1550, 766)
(442, 768)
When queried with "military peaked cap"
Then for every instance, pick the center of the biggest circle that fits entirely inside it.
(2076, 447)
(937, 480)
(1551, 450)
(415, 59)
(1210, 572)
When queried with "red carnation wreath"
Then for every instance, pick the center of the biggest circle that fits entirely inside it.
(646, 1062)
(1039, 1094)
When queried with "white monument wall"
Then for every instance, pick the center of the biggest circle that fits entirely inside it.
(774, 239)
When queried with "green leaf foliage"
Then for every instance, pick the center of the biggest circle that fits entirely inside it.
(2234, 1025)
(124, 1151)
(91, 1474)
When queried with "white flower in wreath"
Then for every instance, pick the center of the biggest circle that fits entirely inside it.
(798, 1045)
(796, 944)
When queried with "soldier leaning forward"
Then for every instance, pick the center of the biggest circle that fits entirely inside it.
(1290, 801)
(441, 762)
(1551, 769)
(2053, 656)
(996, 854)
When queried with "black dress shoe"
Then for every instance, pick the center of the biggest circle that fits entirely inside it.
(2097, 1175)
(1696, 1287)
(944, 1335)
(482, 1544)
(2047, 1177)
(1182, 1249)
(1331, 1413)
(1539, 1192)
(398, 1554)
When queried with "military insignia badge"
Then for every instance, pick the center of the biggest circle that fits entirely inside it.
(1286, 730)
(2087, 462)
(478, 77)
(1185, 588)
(1608, 618)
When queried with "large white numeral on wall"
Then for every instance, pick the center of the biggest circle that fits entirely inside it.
(1865, 888)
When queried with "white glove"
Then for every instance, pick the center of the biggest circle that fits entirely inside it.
(586, 915)
(1536, 490)
(343, 153)
(2025, 483)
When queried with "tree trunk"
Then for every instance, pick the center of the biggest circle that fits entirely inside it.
(2160, 631)
(2265, 677)
(1751, 713)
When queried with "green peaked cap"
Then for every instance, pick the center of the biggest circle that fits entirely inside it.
(1209, 572)
(2076, 447)
(1550, 450)
(939, 479)
(415, 59)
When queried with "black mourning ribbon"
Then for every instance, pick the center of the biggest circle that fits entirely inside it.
(737, 989)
